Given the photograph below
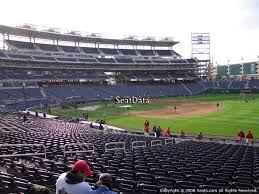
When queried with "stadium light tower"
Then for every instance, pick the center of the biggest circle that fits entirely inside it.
(201, 51)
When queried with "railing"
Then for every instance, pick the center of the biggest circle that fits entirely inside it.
(21, 155)
(169, 141)
(79, 151)
(138, 144)
(156, 143)
(116, 146)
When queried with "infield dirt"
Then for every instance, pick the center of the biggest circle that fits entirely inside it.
(183, 108)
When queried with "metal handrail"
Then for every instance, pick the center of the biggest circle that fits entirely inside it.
(78, 151)
(156, 143)
(169, 141)
(144, 144)
(115, 148)
(23, 145)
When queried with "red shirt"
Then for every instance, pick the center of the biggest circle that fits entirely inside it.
(146, 129)
(241, 134)
(249, 135)
(167, 133)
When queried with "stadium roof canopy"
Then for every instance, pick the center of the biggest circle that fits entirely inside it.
(35, 33)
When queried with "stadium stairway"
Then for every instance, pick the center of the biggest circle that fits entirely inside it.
(205, 88)
(247, 84)
(186, 88)
(52, 96)
(229, 85)
(42, 91)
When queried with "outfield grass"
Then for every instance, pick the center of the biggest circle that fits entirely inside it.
(235, 115)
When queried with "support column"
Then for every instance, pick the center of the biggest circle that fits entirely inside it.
(257, 68)
(242, 68)
(228, 72)
(3, 41)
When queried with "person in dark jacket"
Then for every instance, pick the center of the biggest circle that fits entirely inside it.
(158, 131)
(200, 136)
(100, 127)
(24, 118)
(154, 130)
(104, 185)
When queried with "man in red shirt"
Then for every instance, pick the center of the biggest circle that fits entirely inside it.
(146, 131)
(241, 136)
(146, 124)
(249, 136)
(167, 132)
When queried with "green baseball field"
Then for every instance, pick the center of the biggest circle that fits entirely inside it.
(192, 114)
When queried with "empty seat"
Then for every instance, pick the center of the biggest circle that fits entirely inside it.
(126, 186)
(145, 178)
(187, 185)
(165, 181)
(148, 189)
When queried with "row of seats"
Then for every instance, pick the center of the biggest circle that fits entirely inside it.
(88, 50)
(189, 164)
(52, 77)
(151, 76)
(24, 93)
(65, 59)
(105, 91)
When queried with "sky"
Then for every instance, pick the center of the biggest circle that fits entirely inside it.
(233, 24)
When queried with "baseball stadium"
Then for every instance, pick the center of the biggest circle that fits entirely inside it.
(132, 113)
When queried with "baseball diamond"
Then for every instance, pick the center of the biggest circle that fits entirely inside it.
(81, 113)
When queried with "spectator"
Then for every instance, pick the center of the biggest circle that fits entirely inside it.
(167, 132)
(100, 126)
(91, 125)
(146, 124)
(49, 110)
(73, 182)
(86, 116)
(44, 115)
(182, 134)
(249, 137)
(105, 129)
(175, 108)
(146, 131)
(28, 113)
(104, 185)
(36, 114)
(154, 129)
(158, 131)
(24, 118)
(200, 136)
(240, 136)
